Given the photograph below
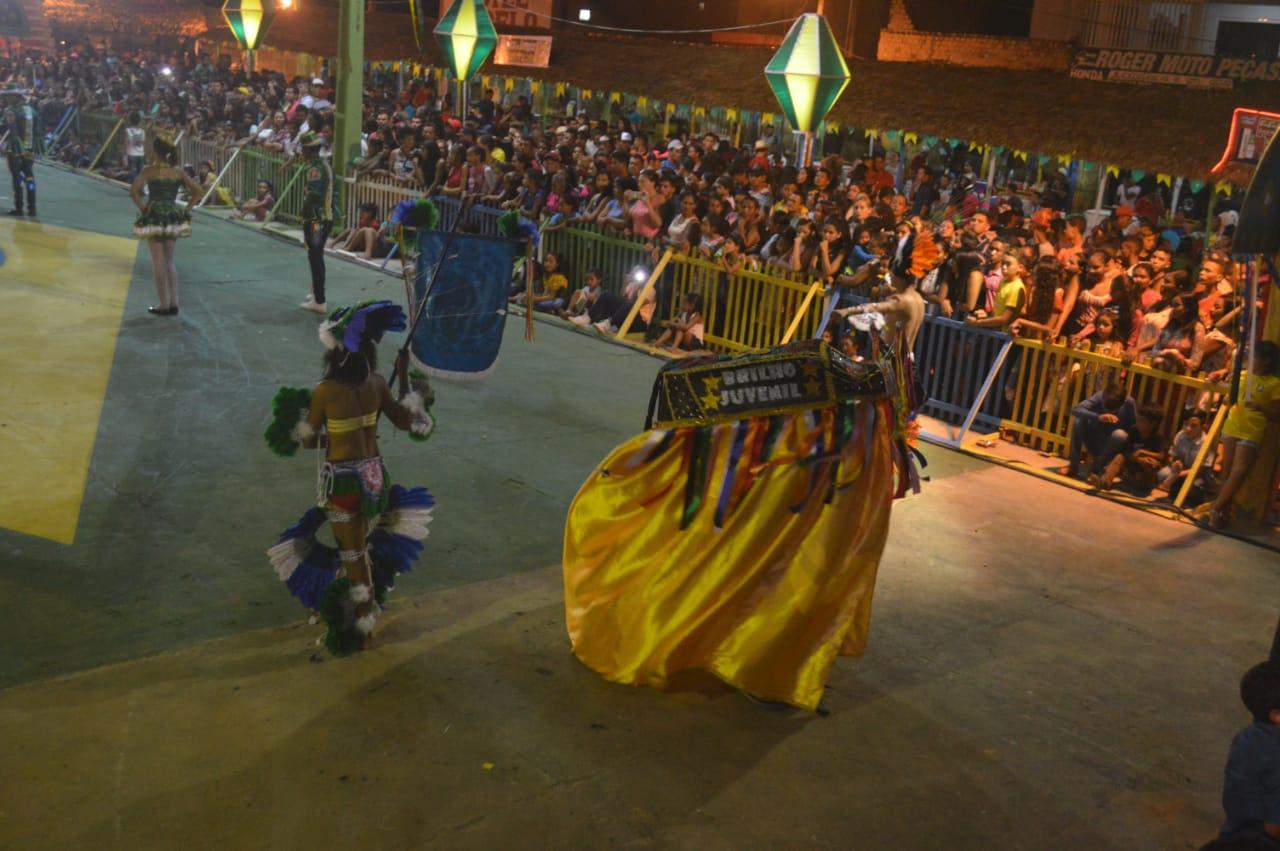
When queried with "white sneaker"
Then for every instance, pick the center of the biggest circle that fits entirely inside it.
(581, 319)
(314, 307)
(604, 326)
(310, 298)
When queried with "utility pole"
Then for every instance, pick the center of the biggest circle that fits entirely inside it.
(349, 97)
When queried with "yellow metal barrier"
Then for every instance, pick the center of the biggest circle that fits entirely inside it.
(1051, 378)
(746, 310)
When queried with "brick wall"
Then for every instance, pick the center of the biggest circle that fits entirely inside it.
(979, 51)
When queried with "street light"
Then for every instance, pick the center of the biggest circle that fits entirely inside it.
(249, 20)
(467, 37)
(807, 75)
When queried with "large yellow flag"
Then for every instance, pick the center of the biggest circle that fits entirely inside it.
(745, 548)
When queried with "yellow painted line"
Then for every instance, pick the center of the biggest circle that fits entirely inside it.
(63, 293)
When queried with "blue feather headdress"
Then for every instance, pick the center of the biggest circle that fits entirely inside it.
(350, 328)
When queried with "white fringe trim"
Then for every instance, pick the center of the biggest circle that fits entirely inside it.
(326, 335)
(162, 231)
(409, 522)
(365, 625)
(360, 594)
(303, 430)
(414, 402)
(287, 555)
(423, 425)
(453, 375)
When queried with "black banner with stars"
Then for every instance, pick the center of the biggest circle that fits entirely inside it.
(801, 376)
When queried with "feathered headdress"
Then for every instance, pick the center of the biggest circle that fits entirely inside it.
(350, 328)
(919, 255)
(512, 225)
(420, 213)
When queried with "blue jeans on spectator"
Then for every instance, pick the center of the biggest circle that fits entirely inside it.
(1103, 440)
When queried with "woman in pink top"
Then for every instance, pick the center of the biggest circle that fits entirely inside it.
(646, 221)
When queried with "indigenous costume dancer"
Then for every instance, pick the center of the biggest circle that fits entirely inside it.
(741, 533)
(318, 210)
(20, 148)
(379, 527)
(161, 221)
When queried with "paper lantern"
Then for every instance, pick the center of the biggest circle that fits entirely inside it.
(467, 36)
(807, 74)
(249, 20)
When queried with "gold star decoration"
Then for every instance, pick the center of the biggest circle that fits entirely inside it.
(810, 370)
(811, 387)
(711, 383)
(711, 401)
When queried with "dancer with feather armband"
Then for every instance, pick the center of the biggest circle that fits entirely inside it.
(378, 527)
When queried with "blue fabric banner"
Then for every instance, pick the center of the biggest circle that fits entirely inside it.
(461, 331)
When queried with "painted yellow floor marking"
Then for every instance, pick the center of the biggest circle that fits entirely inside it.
(62, 293)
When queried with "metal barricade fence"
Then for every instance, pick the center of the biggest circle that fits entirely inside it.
(193, 151)
(1051, 378)
(963, 370)
(476, 219)
(584, 247)
(384, 194)
(744, 310)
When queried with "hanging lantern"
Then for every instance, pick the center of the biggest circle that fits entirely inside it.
(467, 36)
(249, 20)
(807, 74)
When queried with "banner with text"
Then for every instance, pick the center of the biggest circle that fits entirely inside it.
(522, 14)
(530, 51)
(1193, 70)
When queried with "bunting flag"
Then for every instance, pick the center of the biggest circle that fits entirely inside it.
(509, 84)
(1064, 159)
(1164, 179)
(615, 97)
(892, 135)
(484, 80)
(561, 88)
(642, 102)
(977, 147)
(1044, 159)
(833, 127)
(930, 141)
(699, 111)
(767, 118)
(997, 150)
(910, 138)
(1223, 187)
(1137, 174)
(1017, 154)
(670, 108)
(731, 114)
(1196, 185)
(586, 94)
(1113, 170)
(535, 87)
(871, 133)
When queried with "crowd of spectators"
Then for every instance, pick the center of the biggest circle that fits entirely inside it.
(1138, 284)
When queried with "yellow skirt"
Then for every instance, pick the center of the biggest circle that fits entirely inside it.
(772, 576)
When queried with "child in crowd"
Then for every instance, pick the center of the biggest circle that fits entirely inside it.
(366, 238)
(581, 302)
(1135, 466)
(1251, 781)
(1182, 456)
(549, 286)
(684, 331)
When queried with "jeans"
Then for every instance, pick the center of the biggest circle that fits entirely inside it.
(1103, 440)
(316, 235)
(21, 169)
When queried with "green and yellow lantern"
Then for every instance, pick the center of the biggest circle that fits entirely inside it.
(249, 20)
(467, 37)
(807, 74)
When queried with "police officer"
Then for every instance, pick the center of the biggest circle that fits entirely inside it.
(20, 148)
(317, 216)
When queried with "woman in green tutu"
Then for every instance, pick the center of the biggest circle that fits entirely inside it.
(162, 221)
